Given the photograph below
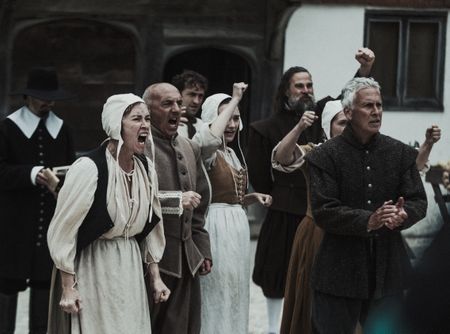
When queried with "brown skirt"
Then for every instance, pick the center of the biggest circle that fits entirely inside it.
(298, 294)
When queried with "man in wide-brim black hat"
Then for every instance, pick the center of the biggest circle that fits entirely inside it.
(31, 139)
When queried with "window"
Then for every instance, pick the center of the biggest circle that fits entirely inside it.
(410, 52)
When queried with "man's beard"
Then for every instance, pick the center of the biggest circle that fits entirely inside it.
(300, 105)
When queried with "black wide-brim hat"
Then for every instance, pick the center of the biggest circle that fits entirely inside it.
(43, 84)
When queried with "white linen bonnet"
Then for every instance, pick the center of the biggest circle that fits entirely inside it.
(112, 115)
(113, 111)
(210, 111)
(332, 108)
(210, 108)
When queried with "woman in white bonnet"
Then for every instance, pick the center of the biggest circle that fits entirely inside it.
(106, 225)
(287, 156)
(225, 291)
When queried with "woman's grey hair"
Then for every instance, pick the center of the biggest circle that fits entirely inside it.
(355, 85)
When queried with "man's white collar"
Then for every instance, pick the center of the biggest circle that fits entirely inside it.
(28, 122)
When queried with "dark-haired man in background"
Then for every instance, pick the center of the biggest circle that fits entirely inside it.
(192, 86)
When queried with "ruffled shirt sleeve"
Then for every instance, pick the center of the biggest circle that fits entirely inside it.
(208, 142)
(299, 155)
(74, 202)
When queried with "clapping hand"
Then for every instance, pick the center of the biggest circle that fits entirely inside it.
(389, 215)
(399, 217)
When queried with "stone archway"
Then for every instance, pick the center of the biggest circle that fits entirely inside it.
(222, 68)
(94, 60)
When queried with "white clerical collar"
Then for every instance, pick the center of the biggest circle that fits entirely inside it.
(28, 122)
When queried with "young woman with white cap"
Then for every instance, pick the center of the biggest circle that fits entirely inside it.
(105, 227)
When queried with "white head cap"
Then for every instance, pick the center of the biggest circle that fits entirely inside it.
(112, 116)
(113, 111)
(210, 108)
(332, 108)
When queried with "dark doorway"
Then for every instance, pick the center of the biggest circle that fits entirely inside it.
(222, 68)
(93, 60)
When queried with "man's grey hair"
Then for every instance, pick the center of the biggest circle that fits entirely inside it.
(355, 85)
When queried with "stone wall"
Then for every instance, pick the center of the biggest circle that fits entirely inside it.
(104, 47)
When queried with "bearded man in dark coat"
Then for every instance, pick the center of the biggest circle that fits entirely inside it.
(365, 188)
(295, 95)
(31, 139)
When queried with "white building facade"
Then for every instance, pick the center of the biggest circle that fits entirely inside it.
(324, 38)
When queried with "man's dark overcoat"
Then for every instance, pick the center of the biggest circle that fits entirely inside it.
(349, 181)
(288, 191)
(26, 209)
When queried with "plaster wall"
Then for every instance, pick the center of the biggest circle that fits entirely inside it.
(324, 39)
